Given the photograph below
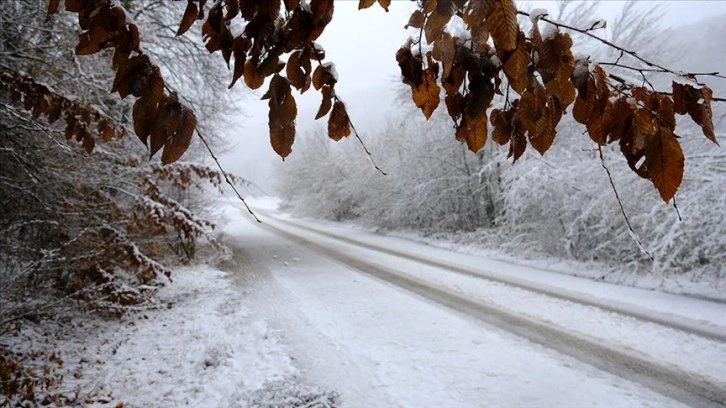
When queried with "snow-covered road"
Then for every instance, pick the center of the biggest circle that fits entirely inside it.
(390, 330)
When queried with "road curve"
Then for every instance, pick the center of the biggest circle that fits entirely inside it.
(670, 381)
(713, 333)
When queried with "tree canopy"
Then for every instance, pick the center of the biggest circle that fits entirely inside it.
(536, 73)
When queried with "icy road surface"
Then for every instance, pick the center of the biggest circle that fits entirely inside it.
(391, 323)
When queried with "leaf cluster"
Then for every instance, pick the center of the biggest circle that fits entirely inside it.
(492, 57)
(80, 119)
(273, 29)
(160, 120)
(546, 79)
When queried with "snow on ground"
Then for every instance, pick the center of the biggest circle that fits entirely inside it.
(381, 346)
(203, 349)
(466, 243)
(282, 326)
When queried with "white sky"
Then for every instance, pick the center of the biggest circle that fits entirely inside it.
(363, 44)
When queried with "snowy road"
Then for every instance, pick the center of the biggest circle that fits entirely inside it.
(389, 322)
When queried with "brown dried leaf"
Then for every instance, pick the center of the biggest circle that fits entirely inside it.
(686, 100)
(683, 95)
(705, 116)
(586, 101)
(88, 143)
(426, 96)
(166, 123)
(364, 4)
(294, 72)
(531, 107)
(447, 53)
(252, 78)
(385, 4)
(322, 14)
(283, 111)
(501, 120)
(179, 142)
(338, 123)
(436, 21)
(190, 15)
(621, 115)
(501, 23)
(411, 67)
(323, 76)
(239, 49)
(143, 118)
(474, 133)
(516, 66)
(455, 104)
(291, 4)
(664, 162)
(107, 131)
(73, 6)
(132, 76)
(561, 86)
(416, 20)
(552, 53)
(545, 128)
(517, 143)
(645, 126)
(666, 112)
(327, 103)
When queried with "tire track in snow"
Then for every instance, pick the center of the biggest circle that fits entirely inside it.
(669, 381)
(652, 317)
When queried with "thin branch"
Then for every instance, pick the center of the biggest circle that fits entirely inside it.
(620, 203)
(660, 68)
(352, 126)
(675, 206)
(224, 173)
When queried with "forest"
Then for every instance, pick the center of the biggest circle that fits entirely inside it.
(515, 130)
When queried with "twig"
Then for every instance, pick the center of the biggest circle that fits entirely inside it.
(660, 68)
(675, 205)
(352, 126)
(620, 203)
(219, 166)
(365, 149)
(224, 173)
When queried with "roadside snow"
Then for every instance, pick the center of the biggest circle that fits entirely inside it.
(381, 346)
(201, 349)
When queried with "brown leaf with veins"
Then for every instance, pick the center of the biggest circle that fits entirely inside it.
(501, 23)
(426, 96)
(179, 142)
(283, 111)
(664, 162)
(516, 66)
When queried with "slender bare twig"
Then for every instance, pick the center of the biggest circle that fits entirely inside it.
(678, 212)
(219, 166)
(352, 126)
(622, 209)
(224, 173)
(655, 67)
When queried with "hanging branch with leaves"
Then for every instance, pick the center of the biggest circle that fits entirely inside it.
(539, 70)
(547, 79)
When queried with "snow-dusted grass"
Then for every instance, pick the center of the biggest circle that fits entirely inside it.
(201, 348)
